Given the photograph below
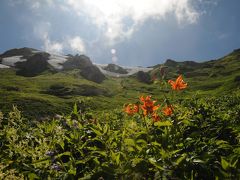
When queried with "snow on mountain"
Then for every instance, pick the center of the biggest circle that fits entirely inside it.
(10, 61)
(56, 61)
(130, 70)
(4, 66)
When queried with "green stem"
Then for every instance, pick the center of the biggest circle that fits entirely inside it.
(176, 127)
(148, 135)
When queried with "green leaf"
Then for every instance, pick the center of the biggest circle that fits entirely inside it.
(136, 161)
(180, 159)
(163, 123)
(64, 154)
(224, 163)
(72, 171)
(61, 143)
(129, 142)
(186, 122)
(75, 110)
(102, 153)
(105, 129)
(41, 161)
(154, 163)
(156, 144)
(235, 163)
(199, 161)
(97, 132)
(115, 157)
(32, 176)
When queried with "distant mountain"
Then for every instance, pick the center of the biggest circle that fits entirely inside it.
(224, 66)
(31, 62)
(218, 75)
(43, 84)
(115, 69)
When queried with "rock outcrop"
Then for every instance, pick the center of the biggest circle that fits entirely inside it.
(87, 69)
(144, 77)
(115, 68)
(33, 66)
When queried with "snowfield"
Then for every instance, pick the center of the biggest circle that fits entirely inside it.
(56, 61)
(130, 70)
(3, 66)
(10, 61)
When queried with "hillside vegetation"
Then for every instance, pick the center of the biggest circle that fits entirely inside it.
(52, 92)
(151, 125)
(195, 138)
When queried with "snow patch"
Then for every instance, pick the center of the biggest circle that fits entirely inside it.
(130, 70)
(10, 61)
(36, 51)
(57, 60)
(2, 66)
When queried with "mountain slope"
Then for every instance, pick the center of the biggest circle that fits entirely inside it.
(31, 62)
(214, 76)
(60, 82)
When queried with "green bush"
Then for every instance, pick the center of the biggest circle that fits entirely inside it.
(199, 141)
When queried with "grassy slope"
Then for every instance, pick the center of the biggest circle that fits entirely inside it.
(209, 78)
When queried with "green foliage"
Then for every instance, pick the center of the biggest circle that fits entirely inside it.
(52, 92)
(43, 138)
(200, 141)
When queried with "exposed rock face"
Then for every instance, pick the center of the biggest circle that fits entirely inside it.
(92, 73)
(77, 62)
(144, 77)
(236, 51)
(25, 52)
(38, 62)
(116, 69)
(170, 62)
(34, 65)
(88, 70)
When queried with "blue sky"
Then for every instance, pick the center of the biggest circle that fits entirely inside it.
(126, 32)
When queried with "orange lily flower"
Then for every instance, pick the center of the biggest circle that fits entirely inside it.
(148, 106)
(168, 110)
(155, 117)
(179, 84)
(131, 109)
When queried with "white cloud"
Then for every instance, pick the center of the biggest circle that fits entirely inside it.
(109, 15)
(77, 44)
(115, 59)
(35, 5)
(41, 31)
(53, 47)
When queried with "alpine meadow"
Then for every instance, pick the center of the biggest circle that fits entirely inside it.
(105, 90)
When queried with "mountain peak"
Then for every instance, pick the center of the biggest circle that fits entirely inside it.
(170, 62)
(115, 68)
(236, 50)
(25, 51)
